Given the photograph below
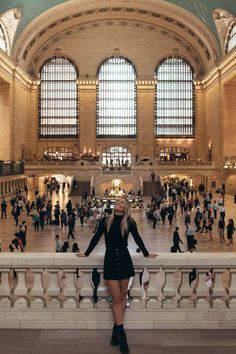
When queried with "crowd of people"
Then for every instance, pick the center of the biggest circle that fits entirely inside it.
(199, 209)
(42, 212)
(178, 202)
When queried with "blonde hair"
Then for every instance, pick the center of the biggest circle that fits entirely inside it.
(124, 221)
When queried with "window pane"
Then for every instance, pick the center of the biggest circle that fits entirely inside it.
(58, 113)
(175, 96)
(232, 39)
(116, 98)
(3, 43)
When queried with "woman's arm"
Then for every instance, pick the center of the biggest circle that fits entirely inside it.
(98, 234)
(137, 238)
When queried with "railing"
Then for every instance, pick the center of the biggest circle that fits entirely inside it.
(175, 163)
(117, 171)
(63, 162)
(44, 290)
(11, 168)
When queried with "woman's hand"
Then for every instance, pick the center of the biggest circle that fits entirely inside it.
(152, 255)
(80, 254)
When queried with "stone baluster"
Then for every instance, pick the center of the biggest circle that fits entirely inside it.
(218, 290)
(102, 293)
(186, 300)
(37, 291)
(136, 292)
(232, 289)
(153, 298)
(53, 290)
(202, 291)
(70, 292)
(5, 291)
(86, 291)
(169, 290)
(20, 292)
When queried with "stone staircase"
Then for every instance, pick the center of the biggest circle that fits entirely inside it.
(79, 187)
(150, 188)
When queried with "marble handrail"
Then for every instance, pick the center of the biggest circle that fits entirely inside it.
(57, 283)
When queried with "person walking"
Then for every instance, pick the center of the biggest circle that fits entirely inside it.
(71, 226)
(118, 266)
(176, 240)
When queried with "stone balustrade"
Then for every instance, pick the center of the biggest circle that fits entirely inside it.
(48, 290)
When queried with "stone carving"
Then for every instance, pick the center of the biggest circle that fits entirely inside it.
(11, 19)
(223, 21)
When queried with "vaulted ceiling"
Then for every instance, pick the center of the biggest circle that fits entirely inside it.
(186, 26)
(202, 9)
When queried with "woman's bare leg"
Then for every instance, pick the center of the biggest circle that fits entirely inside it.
(115, 292)
(123, 290)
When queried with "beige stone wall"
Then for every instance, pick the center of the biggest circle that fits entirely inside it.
(5, 121)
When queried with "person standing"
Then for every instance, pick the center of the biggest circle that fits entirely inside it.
(36, 219)
(58, 244)
(221, 230)
(82, 215)
(63, 218)
(153, 175)
(42, 218)
(16, 213)
(230, 232)
(3, 208)
(118, 266)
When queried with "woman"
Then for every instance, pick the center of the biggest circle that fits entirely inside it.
(210, 226)
(118, 266)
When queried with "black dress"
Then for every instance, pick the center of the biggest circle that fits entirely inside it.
(117, 262)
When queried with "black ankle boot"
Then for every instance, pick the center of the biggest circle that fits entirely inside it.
(114, 337)
(124, 349)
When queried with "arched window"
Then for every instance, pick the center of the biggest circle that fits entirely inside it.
(232, 39)
(3, 42)
(175, 99)
(116, 98)
(116, 156)
(58, 99)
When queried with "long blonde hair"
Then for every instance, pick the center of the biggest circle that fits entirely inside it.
(124, 221)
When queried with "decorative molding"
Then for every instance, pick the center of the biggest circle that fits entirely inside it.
(223, 21)
(167, 13)
(11, 20)
(182, 41)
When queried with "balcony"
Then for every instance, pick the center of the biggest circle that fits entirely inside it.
(42, 290)
(11, 168)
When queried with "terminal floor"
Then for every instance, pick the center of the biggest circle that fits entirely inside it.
(97, 342)
(158, 240)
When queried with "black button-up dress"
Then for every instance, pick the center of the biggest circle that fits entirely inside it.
(118, 264)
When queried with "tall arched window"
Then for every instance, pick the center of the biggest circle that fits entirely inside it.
(232, 39)
(58, 99)
(175, 99)
(3, 41)
(116, 98)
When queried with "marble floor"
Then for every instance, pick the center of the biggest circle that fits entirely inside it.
(140, 342)
(158, 240)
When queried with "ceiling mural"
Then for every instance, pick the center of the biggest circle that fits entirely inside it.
(202, 9)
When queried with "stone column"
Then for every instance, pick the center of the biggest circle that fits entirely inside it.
(145, 118)
(218, 290)
(87, 116)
